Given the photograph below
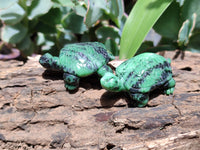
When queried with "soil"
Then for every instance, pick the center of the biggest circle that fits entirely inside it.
(36, 111)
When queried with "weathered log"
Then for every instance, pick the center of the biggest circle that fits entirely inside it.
(36, 111)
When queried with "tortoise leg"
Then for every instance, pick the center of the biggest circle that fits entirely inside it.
(105, 68)
(140, 99)
(170, 87)
(71, 81)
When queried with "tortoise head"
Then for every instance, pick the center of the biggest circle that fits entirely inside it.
(46, 60)
(49, 62)
(111, 82)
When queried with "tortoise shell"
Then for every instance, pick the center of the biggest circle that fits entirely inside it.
(83, 59)
(144, 72)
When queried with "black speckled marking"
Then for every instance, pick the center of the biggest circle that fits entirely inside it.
(70, 79)
(130, 75)
(45, 62)
(69, 70)
(78, 54)
(97, 47)
(102, 51)
(55, 64)
(148, 72)
(82, 55)
(99, 50)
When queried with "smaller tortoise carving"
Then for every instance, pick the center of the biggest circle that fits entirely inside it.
(79, 60)
(140, 75)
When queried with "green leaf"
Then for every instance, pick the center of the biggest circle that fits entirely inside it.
(38, 8)
(169, 23)
(144, 47)
(65, 10)
(115, 9)
(26, 46)
(61, 29)
(194, 41)
(7, 3)
(94, 12)
(46, 25)
(40, 38)
(52, 43)
(45, 28)
(190, 7)
(85, 37)
(13, 34)
(112, 46)
(80, 10)
(11, 16)
(74, 22)
(66, 38)
(141, 19)
(55, 14)
(122, 23)
(186, 31)
(48, 43)
(66, 3)
(105, 32)
(181, 2)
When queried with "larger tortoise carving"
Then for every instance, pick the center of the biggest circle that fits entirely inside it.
(140, 75)
(79, 60)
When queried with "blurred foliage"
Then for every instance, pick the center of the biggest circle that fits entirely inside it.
(179, 27)
(39, 26)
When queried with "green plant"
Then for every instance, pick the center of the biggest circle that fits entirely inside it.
(141, 19)
(179, 27)
(186, 33)
(48, 25)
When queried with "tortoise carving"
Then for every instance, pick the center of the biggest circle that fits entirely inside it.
(79, 60)
(139, 76)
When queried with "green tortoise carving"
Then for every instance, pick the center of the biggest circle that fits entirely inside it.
(79, 60)
(139, 76)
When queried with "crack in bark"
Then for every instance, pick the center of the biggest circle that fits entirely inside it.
(16, 85)
(194, 91)
(50, 122)
(166, 125)
(179, 111)
(22, 126)
(5, 105)
(126, 126)
(109, 146)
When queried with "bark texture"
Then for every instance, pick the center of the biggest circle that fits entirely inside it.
(36, 111)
